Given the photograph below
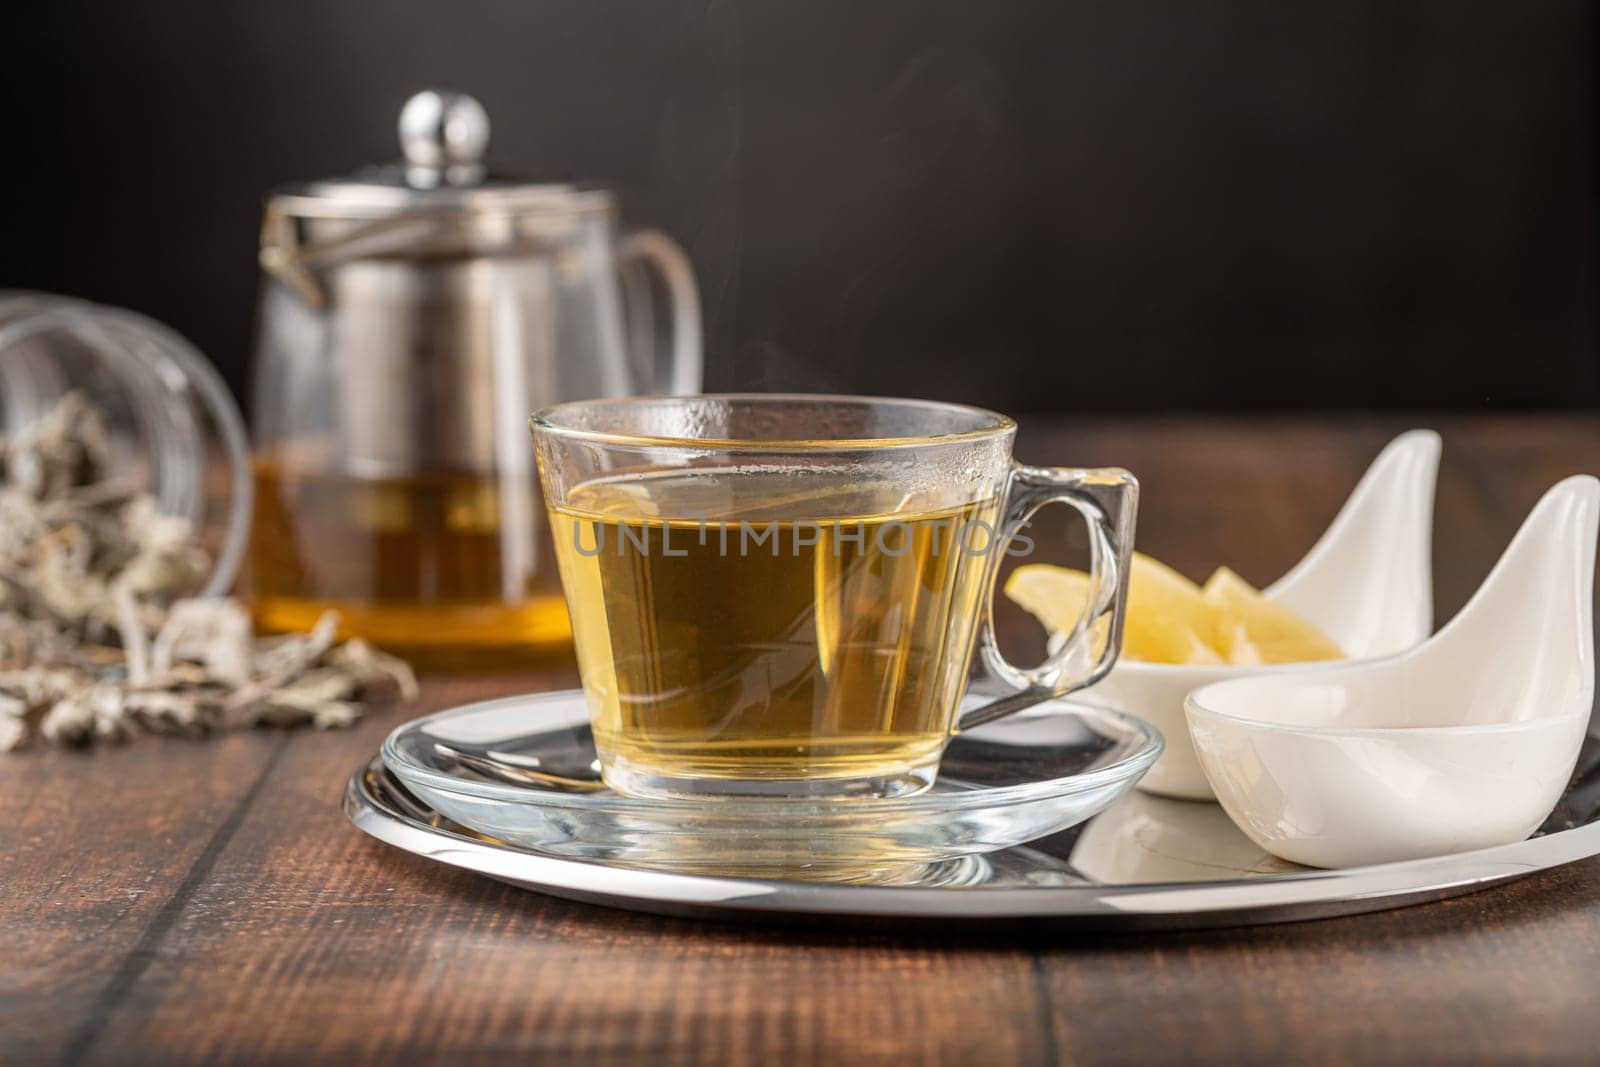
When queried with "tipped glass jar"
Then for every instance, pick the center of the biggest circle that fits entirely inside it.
(172, 427)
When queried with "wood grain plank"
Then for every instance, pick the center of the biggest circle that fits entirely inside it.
(100, 848)
(1500, 976)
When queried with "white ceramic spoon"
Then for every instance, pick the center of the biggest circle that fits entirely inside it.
(1464, 742)
(1367, 584)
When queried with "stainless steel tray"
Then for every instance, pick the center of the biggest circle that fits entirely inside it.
(1144, 863)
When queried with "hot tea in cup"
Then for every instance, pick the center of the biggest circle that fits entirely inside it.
(780, 595)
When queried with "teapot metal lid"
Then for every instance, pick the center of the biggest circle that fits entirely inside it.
(443, 136)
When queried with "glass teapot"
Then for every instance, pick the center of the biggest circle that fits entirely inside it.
(411, 318)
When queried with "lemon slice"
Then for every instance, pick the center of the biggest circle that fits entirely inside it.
(1168, 620)
(1250, 629)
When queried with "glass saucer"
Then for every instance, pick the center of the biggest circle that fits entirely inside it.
(522, 770)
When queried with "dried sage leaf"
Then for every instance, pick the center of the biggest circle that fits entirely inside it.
(98, 641)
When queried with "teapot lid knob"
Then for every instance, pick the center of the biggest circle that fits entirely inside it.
(443, 135)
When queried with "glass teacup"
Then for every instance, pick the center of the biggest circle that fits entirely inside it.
(780, 595)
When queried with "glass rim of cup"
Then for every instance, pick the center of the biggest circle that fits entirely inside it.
(994, 424)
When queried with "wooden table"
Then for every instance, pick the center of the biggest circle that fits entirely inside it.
(176, 901)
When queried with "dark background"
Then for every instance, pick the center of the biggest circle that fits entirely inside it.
(1034, 204)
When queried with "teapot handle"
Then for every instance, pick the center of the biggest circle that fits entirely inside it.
(680, 371)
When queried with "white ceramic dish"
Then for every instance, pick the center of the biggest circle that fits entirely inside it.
(1367, 583)
(1465, 742)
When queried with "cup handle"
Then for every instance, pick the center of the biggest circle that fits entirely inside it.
(1108, 499)
(680, 372)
